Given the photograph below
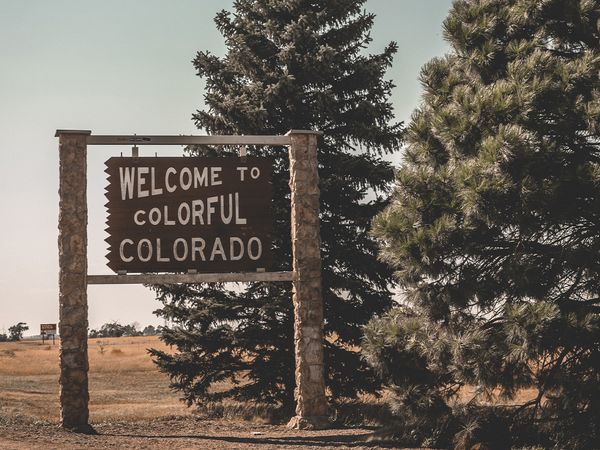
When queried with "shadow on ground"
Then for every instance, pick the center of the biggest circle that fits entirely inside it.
(320, 440)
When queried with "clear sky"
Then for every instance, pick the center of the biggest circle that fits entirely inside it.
(121, 67)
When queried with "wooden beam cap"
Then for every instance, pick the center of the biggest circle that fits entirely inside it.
(60, 132)
(319, 133)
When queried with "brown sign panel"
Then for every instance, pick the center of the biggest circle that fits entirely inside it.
(47, 328)
(175, 214)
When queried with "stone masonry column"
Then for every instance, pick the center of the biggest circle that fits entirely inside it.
(73, 308)
(311, 403)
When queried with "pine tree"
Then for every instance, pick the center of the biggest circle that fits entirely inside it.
(494, 225)
(292, 64)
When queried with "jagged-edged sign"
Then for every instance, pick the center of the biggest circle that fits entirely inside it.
(176, 214)
(47, 328)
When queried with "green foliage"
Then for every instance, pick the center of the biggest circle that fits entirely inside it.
(493, 228)
(15, 333)
(151, 330)
(115, 329)
(292, 64)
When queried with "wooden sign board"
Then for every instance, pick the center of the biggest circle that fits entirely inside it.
(47, 328)
(175, 214)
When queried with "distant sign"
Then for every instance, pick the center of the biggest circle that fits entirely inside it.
(178, 214)
(47, 329)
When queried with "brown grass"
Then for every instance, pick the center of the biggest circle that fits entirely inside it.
(124, 382)
(467, 393)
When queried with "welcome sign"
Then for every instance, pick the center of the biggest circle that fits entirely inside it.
(174, 214)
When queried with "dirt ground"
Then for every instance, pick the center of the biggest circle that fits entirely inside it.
(131, 407)
(180, 433)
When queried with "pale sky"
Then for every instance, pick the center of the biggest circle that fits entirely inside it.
(121, 67)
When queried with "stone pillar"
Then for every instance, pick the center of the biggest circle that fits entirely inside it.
(311, 403)
(73, 308)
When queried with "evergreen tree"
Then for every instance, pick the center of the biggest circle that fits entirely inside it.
(494, 228)
(292, 64)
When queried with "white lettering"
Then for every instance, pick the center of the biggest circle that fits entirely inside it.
(200, 178)
(176, 254)
(198, 247)
(218, 250)
(122, 250)
(154, 216)
(166, 215)
(185, 178)
(232, 255)
(255, 173)
(214, 176)
(144, 243)
(142, 181)
(183, 220)
(197, 211)
(126, 175)
(258, 254)
(159, 258)
(183, 249)
(210, 209)
(153, 189)
(226, 219)
(136, 217)
(241, 170)
(170, 187)
(238, 220)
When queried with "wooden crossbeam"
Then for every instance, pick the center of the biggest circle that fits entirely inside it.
(190, 278)
(187, 140)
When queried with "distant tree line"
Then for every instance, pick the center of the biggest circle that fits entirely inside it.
(111, 329)
(115, 329)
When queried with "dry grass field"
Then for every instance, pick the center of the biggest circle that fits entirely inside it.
(131, 406)
(124, 383)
